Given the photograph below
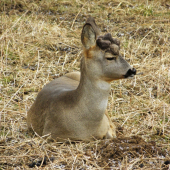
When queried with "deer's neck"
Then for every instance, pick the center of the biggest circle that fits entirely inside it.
(93, 96)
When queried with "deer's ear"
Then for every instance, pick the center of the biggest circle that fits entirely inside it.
(89, 33)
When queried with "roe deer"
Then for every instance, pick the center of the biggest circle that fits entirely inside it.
(73, 106)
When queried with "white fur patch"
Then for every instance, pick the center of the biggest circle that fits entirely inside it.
(103, 104)
(103, 85)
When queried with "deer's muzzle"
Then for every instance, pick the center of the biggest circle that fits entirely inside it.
(130, 73)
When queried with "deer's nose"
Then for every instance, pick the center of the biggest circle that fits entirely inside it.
(130, 73)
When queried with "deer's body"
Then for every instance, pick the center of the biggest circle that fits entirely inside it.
(74, 106)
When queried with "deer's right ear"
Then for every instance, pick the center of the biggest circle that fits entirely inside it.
(89, 33)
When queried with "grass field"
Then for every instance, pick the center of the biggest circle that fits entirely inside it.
(40, 41)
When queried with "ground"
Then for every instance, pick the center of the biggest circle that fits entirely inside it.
(40, 41)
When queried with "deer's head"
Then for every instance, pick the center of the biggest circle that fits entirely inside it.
(102, 59)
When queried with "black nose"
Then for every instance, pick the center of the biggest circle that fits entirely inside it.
(130, 72)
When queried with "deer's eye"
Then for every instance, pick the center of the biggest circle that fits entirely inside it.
(109, 55)
(112, 58)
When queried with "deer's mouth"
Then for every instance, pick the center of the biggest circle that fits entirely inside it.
(130, 73)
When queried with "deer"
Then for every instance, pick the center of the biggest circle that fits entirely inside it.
(73, 106)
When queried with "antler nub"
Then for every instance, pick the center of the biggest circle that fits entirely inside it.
(103, 44)
(108, 43)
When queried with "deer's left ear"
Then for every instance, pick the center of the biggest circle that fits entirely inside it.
(89, 33)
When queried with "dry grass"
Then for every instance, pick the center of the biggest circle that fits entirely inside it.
(40, 40)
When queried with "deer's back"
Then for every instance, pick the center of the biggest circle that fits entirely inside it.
(65, 83)
(50, 93)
